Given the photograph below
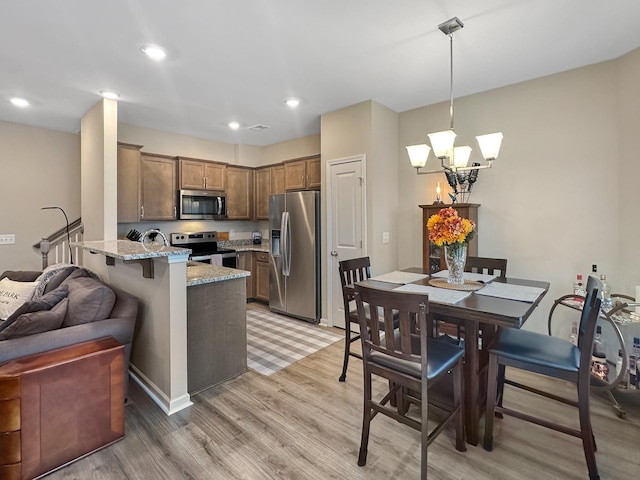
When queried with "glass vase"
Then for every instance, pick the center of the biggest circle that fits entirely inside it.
(455, 255)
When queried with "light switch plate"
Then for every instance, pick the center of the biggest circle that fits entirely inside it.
(8, 239)
(385, 237)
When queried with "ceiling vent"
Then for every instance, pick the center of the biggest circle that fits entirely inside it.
(258, 128)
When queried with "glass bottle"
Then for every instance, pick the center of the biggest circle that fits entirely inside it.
(578, 289)
(573, 337)
(622, 383)
(605, 293)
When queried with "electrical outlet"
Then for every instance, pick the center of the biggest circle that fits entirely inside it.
(232, 233)
(8, 239)
(594, 268)
(385, 237)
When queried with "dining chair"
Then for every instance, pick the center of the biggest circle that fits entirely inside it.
(351, 271)
(403, 353)
(553, 357)
(484, 265)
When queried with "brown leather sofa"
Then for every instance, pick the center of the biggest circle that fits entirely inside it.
(62, 391)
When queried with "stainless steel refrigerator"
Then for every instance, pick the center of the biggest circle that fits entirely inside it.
(294, 269)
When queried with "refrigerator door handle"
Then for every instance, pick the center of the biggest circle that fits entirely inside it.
(284, 243)
(287, 249)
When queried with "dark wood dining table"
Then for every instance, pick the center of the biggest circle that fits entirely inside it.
(477, 313)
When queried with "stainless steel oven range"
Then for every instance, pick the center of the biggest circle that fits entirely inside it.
(204, 248)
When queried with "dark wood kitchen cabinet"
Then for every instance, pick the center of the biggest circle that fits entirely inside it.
(261, 274)
(239, 191)
(146, 185)
(245, 262)
(128, 178)
(262, 181)
(302, 174)
(201, 174)
(158, 193)
(277, 179)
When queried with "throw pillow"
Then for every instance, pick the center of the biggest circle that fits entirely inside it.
(90, 300)
(45, 302)
(36, 322)
(13, 294)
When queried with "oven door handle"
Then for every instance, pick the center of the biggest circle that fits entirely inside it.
(200, 258)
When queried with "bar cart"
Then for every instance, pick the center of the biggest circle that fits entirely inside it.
(622, 314)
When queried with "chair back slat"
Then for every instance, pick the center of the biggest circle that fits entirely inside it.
(396, 313)
(588, 321)
(486, 265)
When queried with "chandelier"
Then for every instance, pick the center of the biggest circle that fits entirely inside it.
(454, 160)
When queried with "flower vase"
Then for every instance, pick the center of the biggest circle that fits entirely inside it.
(455, 255)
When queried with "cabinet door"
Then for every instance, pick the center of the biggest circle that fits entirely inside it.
(313, 173)
(159, 193)
(214, 176)
(263, 190)
(262, 276)
(245, 262)
(191, 175)
(128, 183)
(239, 193)
(277, 179)
(295, 175)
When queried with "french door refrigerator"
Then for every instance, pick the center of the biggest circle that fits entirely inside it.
(294, 267)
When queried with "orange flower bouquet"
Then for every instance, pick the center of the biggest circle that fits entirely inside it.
(448, 230)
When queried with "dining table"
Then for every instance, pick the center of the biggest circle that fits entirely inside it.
(497, 303)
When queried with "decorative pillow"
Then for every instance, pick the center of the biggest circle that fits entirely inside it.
(13, 294)
(46, 302)
(90, 300)
(36, 322)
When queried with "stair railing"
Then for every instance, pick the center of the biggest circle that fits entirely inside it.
(58, 248)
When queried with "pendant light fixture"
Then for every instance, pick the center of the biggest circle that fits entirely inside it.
(454, 160)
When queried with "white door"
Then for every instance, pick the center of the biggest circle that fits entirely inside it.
(346, 220)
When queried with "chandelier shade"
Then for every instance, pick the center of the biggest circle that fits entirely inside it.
(442, 142)
(418, 154)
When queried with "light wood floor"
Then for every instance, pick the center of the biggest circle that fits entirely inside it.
(301, 423)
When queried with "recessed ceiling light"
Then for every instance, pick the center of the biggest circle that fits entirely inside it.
(234, 125)
(292, 102)
(109, 94)
(154, 52)
(20, 102)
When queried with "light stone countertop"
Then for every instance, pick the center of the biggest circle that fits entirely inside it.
(262, 247)
(129, 250)
(200, 273)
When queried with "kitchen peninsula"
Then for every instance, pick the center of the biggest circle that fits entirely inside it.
(186, 309)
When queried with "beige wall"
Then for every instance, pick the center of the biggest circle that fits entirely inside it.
(627, 183)
(300, 147)
(550, 203)
(370, 129)
(39, 168)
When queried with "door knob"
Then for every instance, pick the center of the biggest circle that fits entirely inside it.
(334, 253)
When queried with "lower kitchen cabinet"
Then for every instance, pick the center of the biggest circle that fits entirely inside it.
(261, 276)
(245, 262)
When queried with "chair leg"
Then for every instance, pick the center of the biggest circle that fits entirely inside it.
(492, 392)
(588, 440)
(424, 429)
(366, 420)
(347, 346)
(458, 402)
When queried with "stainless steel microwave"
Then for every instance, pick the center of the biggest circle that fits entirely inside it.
(202, 205)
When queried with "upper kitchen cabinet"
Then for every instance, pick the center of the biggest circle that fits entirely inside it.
(201, 174)
(158, 192)
(302, 174)
(277, 179)
(239, 192)
(128, 182)
(262, 183)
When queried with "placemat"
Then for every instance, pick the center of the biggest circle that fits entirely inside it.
(512, 291)
(469, 285)
(399, 277)
(477, 277)
(440, 295)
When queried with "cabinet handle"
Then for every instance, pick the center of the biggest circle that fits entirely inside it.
(175, 213)
(141, 211)
(205, 181)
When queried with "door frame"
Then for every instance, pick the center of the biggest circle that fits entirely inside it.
(362, 158)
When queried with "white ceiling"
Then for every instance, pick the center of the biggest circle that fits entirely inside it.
(240, 59)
